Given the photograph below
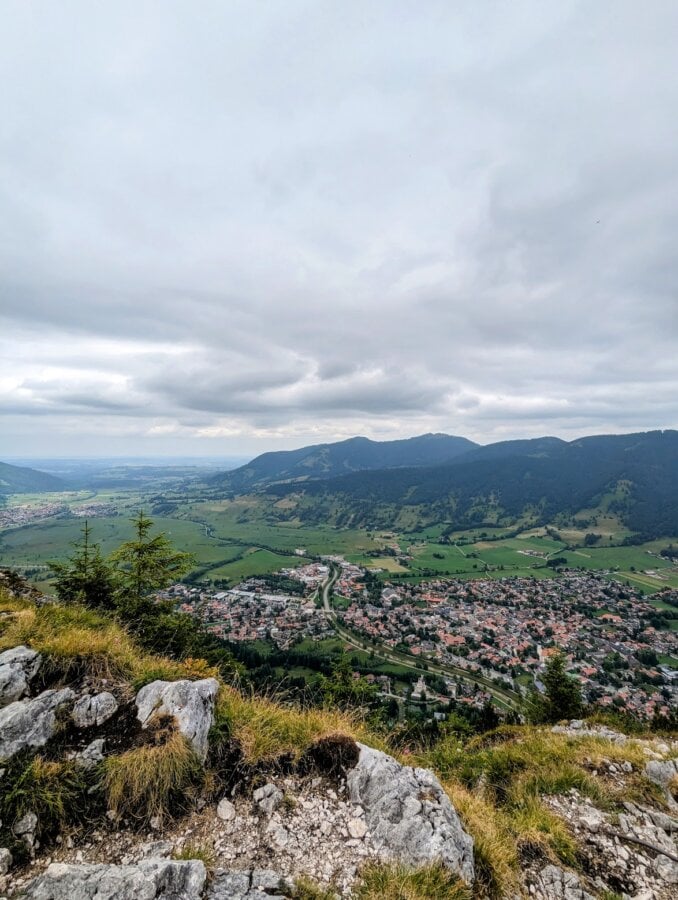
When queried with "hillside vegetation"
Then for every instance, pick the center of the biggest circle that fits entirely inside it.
(21, 479)
(329, 460)
(526, 482)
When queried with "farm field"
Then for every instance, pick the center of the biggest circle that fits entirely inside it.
(234, 539)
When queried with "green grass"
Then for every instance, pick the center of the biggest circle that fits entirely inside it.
(233, 539)
(154, 781)
(380, 881)
(255, 562)
(59, 793)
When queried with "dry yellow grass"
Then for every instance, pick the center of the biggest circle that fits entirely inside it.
(153, 781)
(72, 637)
(495, 847)
(266, 729)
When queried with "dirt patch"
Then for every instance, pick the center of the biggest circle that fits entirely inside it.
(331, 756)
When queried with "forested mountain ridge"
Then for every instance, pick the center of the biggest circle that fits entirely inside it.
(507, 481)
(331, 460)
(20, 479)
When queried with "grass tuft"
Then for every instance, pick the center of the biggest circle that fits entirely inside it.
(153, 781)
(494, 841)
(397, 882)
(306, 889)
(266, 730)
(59, 793)
(197, 851)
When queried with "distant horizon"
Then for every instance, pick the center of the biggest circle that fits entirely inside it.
(243, 458)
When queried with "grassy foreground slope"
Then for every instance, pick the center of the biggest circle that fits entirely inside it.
(498, 781)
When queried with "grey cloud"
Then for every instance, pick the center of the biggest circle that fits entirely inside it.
(267, 223)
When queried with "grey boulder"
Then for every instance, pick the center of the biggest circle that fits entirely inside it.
(189, 703)
(26, 827)
(557, 884)
(18, 667)
(246, 884)
(409, 816)
(662, 773)
(5, 860)
(268, 798)
(30, 723)
(94, 710)
(147, 880)
(92, 755)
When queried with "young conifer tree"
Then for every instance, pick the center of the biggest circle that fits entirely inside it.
(149, 562)
(86, 577)
(562, 694)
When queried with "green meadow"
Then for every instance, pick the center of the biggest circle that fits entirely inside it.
(234, 539)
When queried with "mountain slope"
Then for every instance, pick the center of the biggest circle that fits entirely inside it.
(504, 482)
(330, 460)
(19, 479)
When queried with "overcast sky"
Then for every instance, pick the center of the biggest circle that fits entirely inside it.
(233, 226)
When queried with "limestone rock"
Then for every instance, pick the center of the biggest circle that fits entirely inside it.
(30, 723)
(92, 754)
(257, 884)
(94, 710)
(667, 869)
(18, 667)
(662, 773)
(357, 828)
(5, 860)
(147, 880)
(25, 828)
(557, 884)
(408, 814)
(226, 810)
(579, 728)
(268, 798)
(189, 703)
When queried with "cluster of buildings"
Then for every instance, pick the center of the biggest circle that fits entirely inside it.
(252, 612)
(508, 628)
(504, 629)
(24, 513)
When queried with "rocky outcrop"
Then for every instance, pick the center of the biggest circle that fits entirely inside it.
(147, 880)
(663, 773)
(94, 710)
(579, 728)
(408, 814)
(246, 884)
(553, 883)
(633, 852)
(18, 667)
(30, 723)
(189, 703)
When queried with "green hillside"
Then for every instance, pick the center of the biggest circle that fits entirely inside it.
(528, 483)
(19, 479)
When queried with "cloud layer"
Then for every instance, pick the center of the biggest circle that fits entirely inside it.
(229, 227)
